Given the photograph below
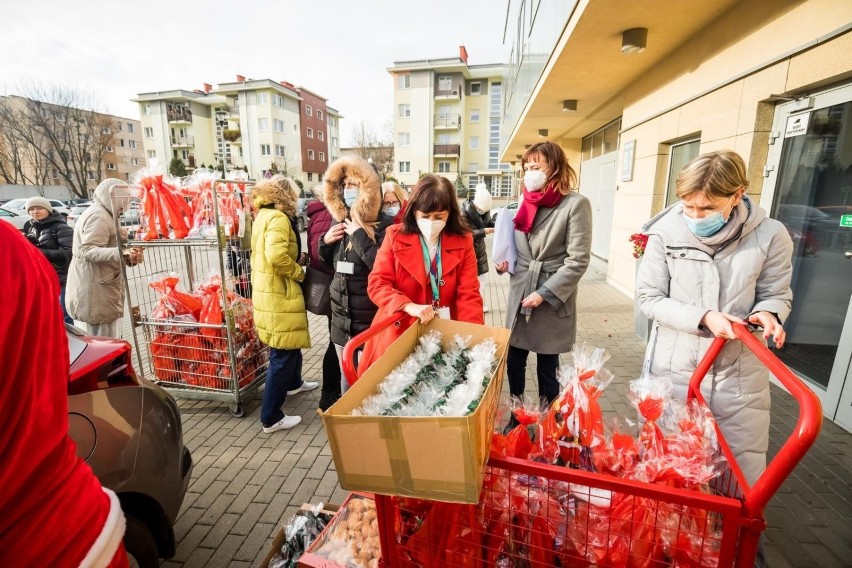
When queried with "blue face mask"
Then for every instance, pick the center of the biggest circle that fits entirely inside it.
(706, 226)
(350, 195)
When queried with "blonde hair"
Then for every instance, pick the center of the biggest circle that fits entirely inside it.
(393, 187)
(715, 174)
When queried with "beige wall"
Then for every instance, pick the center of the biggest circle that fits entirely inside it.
(717, 87)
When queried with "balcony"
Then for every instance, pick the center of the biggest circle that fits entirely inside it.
(180, 115)
(446, 150)
(447, 121)
(451, 93)
(183, 141)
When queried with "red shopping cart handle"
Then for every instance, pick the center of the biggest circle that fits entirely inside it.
(375, 328)
(804, 434)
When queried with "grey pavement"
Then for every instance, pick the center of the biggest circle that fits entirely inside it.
(247, 484)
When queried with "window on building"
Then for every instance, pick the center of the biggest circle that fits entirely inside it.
(278, 125)
(121, 143)
(333, 142)
(110, 149)
(332, 121)
(149, 132)
(404, 111)
(134, 161)
(311, 155)
(130, 128)
(319, 177)
(403, 81)
(443, 167)
(110, 166)
(445, 82)
(319, 114)
(262, 98)
(127, 176)
(405, 167)
(90, 175)
(280, 151)
(320, 135)
(105, 130)
(322, 156)
(146, 109)
(277, 100)
(404, 139)
(184, 154)
(263, 124)
(474, 143)
(474, 116)
(310, 176)
(131, 144)
(309, 111)
(265, 150)
(310, 132)
(54, 174)
(475, 88)
(680, 154)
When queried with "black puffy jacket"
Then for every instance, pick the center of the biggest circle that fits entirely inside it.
(478, 222)
(352, 311)
(54, 238)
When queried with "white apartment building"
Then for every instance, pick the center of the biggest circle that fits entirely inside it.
(334, 117)
(255, 124)
(447, 117)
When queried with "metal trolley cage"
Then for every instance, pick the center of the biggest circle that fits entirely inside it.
(192, 360)
(535, 514)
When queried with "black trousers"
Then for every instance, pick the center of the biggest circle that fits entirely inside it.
(516, 368)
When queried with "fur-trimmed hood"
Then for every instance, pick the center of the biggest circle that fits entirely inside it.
(369, 203)
(279, 191)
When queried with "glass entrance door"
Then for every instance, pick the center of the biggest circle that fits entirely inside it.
(810, 190)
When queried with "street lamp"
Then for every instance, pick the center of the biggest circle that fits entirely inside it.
(222, 122)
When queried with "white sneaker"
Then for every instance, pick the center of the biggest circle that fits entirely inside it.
(305, 387)
(485, 309)
(284, 424)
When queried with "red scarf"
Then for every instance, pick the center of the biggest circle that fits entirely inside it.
(525, 216)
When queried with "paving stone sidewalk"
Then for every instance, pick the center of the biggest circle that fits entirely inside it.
(247, 484)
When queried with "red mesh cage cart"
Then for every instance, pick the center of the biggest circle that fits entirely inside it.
(539, 515)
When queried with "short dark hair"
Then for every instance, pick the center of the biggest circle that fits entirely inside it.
(433, 193)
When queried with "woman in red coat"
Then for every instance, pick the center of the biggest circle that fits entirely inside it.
(426, 266)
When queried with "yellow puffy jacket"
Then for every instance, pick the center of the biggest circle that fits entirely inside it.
(279, 306)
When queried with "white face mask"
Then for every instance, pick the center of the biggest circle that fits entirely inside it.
(534, 180)
(392, 210)
(431, 229)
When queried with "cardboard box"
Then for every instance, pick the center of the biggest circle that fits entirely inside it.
(310, 559)
(279, 539)
(437, 458)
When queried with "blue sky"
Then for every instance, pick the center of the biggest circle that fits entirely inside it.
(339, 49)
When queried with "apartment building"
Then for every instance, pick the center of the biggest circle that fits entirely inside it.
(314, 134)
(123, 159)
(116, 140)
(633, 92)
(447, 117)
(333, 135)
(257, 124)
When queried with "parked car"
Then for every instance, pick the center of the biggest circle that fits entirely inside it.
(19, 206)
(512, 205)
(129, 431)
(305, 198)
(14, 218)
(76, 211)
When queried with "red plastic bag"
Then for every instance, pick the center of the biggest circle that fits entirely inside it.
(175, 302)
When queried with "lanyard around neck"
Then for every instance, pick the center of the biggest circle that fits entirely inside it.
(435, 269)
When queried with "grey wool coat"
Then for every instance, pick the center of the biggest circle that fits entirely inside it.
(679, 280)
(551, 260)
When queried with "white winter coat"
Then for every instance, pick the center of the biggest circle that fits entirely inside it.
(94, 293)
(679, 280)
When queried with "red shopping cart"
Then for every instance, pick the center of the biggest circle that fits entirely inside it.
(540, 515)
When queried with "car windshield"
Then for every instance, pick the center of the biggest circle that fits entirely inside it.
(15, 204)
